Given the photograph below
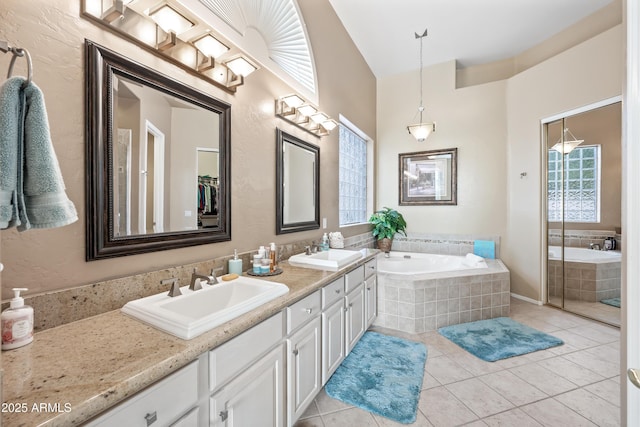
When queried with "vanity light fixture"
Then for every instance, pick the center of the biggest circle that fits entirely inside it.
(421, 131)
(567, 143)
(293, 101)
(159, 29)
(170, 20)
(114, 12)
(210, 46)
(307, 110)
(168, 42)
(240, 66)
(298, 111)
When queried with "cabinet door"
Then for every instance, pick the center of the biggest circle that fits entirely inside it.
(303, 369)
(371, 299)
(333, 341)
(254, 398)
(355, 316)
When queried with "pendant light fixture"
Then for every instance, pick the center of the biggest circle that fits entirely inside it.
(421, 130)
(567, 143)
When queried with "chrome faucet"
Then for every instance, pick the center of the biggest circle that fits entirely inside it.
(594, 246)
(196, 279)
(175, 287)
(313, 248)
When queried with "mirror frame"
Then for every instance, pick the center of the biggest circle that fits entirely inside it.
(282, 228)
(101, 65)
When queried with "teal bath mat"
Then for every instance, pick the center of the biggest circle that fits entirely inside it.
(382, 375)
(611, 301)
(499, 338)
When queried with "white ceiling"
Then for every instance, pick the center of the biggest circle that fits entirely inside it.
(469, 31)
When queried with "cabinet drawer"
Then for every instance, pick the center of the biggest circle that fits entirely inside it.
(234, 356)
(370, 268)
(332, 292)
(302, 311)
(354, 278)
(165, 401)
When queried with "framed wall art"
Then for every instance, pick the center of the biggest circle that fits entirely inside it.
(428, 177)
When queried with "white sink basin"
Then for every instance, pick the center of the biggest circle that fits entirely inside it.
(331, 260)
(195, 312)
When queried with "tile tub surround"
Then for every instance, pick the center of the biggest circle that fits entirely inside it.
(582, 238)
(443, 244)
(425, 302)
(69, 305)
(95, 363)
(585, 281)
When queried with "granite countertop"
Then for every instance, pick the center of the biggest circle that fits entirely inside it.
(74, 372)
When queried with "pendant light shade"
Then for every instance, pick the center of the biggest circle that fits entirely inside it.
(421, 130)
(567, 143)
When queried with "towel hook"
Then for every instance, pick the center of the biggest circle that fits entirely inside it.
(19, 52)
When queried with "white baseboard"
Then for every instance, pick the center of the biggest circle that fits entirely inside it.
(527, 299)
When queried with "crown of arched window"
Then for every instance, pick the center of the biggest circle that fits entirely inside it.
(271, 31)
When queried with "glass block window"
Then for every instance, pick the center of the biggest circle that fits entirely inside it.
(581, 185)
(353, 177)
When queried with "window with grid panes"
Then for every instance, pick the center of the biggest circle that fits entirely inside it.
(581, 185)
(353, 177)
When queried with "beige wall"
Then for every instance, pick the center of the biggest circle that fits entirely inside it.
(54, 33)
(496, 128)
(585, 74)
(471, 119)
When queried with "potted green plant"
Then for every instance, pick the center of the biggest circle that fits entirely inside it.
(386, 223)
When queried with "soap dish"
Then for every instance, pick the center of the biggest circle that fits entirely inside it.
(277, 271)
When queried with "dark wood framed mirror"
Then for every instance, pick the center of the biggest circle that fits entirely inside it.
(158, 160)
(297, 184)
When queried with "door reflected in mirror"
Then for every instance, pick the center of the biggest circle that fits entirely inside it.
(157, 160)
(166, 146)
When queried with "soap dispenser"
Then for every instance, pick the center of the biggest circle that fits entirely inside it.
(235, 264)
(325, 242)
(17, 323)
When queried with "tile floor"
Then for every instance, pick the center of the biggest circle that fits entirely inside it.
(595, 310)
(576, 384)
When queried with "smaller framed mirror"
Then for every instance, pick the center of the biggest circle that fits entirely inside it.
(297, 184)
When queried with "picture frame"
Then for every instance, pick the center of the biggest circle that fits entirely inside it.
(428, 177)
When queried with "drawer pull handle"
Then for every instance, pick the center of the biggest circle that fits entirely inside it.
(224, 415)
(346, 309)
(337, 291)
(350, 304)
(295, 352)
(308, 310)
(151, 418)
(368, 288)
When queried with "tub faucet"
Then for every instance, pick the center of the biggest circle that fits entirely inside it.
(594, 246)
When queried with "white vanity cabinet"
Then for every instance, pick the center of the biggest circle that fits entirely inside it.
(304, 356)
(171, 401)
(268, 375)
(370, 291)
(354, 307)
(246, 377)
(255, 397)
(333, 327)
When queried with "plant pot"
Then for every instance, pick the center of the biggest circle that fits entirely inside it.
(384, 245)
